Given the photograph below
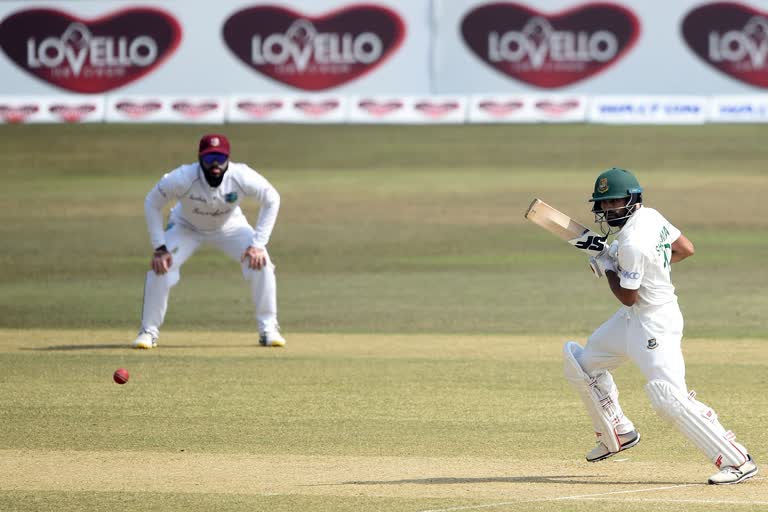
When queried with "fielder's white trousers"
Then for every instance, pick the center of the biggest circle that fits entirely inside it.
(233, 239)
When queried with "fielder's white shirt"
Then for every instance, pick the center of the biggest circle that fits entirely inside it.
(207, 209)
(644, 257)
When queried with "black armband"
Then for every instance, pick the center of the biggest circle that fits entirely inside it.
(162, 248)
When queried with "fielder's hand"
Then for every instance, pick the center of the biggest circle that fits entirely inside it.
(256, 258)
(161, 260)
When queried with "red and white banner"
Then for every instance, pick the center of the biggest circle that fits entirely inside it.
(188, 48)
(732, 38)
(165, 109)
(527, 109)
(88, 54)
(337, 109)
(53, 109)
(384, 61)
(408, 109)
(596, 47)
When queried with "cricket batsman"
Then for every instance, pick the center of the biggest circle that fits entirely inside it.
(207, 211)
(648, 329)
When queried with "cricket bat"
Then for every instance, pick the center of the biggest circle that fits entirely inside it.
(562, 226)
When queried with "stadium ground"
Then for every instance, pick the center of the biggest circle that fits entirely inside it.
(424, 317)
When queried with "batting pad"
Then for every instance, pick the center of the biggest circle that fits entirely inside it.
(697, 422)
(599, 394)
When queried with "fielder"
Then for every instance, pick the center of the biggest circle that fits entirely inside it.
(647, 329)
(207, 211)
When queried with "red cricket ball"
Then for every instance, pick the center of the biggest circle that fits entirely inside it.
(121, 376)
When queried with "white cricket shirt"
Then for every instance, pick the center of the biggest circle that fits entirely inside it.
(645, 252)
(207, 209)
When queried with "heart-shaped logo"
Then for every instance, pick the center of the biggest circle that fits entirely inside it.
(732, 38)
(192, 110)
(550, 50)
(71, 113)
(380, 108)
(314, 53)
(17, 114)
(557, 108)
(436, 110)
(138, 110)
(500, 108)
(316, 108)
(259, 108)
(89, 56)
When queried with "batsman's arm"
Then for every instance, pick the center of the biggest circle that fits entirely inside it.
(681, 248)
(625, 296)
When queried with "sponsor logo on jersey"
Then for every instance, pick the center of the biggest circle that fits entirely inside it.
(732, 38)
(314, 53)
(550, 50)
(89, 55)
(630, 275)
(230, 197)
(652, 344)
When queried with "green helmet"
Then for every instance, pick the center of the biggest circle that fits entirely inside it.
(615, 183)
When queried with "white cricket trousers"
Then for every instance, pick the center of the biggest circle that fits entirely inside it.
(651, 338)
(182, 243)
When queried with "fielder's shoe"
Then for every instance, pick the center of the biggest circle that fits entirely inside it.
(600, 452)
(144, 341)
(734, 475)
(271, 338)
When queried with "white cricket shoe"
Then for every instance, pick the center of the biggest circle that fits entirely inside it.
(144, 341)
(271, 338)
(734, 475)
(601, 452)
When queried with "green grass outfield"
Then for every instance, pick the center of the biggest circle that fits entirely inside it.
(424, 319)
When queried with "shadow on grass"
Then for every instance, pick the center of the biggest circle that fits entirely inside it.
(556, 479)
(112, 346)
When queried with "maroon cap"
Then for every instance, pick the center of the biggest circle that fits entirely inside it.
(214, 143)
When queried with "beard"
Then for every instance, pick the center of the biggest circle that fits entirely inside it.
(618, 218)
(212, 179)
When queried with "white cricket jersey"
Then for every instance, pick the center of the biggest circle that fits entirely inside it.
(207, 209)
(645, 252)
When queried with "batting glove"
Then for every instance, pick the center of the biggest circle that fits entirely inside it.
(601, 264)
(613, 251)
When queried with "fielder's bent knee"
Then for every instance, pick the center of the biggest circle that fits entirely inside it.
(169, 279)
(250, 274)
